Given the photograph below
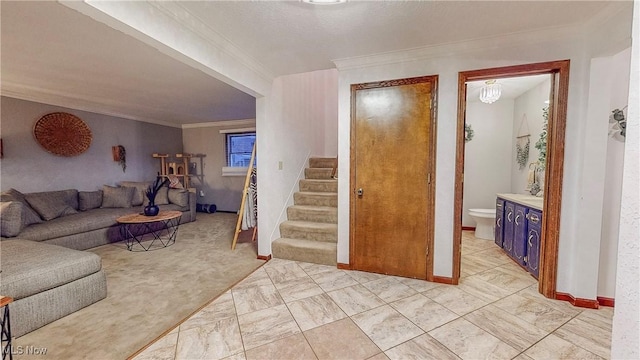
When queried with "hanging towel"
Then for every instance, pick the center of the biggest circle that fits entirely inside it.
(531, 178)
(250, 214)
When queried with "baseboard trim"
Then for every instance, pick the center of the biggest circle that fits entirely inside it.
(444, 280)
(264, 257)
(343, 266)
(472, 228)
(578, 302)
(605, 301)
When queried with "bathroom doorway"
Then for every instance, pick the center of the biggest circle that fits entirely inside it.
(547, 81)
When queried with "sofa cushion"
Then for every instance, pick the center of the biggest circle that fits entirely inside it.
(11, 218)
(74, 224)
(116, 197)
(88, 200)
(53, 204)
(30, 216)
(179, 197)
(29, 267)
(139, 195)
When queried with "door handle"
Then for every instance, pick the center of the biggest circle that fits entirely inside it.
(509, 216)
(498, 222)
(360, 192)
(517, 216)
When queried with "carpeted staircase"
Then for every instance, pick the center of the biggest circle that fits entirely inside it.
(311, 232)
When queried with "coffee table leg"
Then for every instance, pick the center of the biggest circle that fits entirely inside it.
(6, 334)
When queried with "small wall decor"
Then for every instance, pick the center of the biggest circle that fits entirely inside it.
(618, 129)
(523, 140)
(468, 133)
(120, 155)
(62, 134)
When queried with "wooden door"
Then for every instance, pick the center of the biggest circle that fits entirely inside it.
(392, 178)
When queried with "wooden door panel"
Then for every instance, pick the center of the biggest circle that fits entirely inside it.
(392, 153)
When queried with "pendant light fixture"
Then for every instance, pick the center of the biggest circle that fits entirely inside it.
(490, 92)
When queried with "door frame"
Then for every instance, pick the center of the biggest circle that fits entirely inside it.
(549, 241)
(433, 81)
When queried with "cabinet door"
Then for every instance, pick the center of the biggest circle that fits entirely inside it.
(534, 224)
(499, 231)
(509, 216)
(520, 234)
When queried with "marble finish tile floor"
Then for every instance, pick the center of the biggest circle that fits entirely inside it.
(294, 310)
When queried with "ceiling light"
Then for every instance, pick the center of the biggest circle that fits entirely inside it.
(324, 2)
(490, 92)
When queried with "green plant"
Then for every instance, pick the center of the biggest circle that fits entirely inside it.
(541, 144)
(468, 133)
(522, 155)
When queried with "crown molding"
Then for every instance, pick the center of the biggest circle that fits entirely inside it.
(72, 101)
(236, 123)
(554, 34)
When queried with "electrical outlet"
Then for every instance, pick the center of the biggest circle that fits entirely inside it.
(279, 165)
(201, 193)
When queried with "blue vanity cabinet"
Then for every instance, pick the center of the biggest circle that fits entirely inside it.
(509, 227)
(520, 234)
(534, 229)
(499, 231)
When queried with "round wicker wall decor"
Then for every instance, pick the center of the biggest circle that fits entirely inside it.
(62, 134)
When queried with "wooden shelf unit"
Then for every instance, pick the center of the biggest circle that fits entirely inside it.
(177, 168)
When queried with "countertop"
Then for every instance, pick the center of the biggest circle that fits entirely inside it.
(527, 200)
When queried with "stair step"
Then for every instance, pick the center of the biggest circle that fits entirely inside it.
(319, 185)
(318, 173)
(322, 214)
(322, 162)
(308, 230)
(317, 252)
(315, 198)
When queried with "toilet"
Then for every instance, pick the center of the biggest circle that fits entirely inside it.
(485, 222)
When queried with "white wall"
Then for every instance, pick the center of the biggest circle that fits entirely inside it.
(529, 104)
(487, 155)
(447, 62)
(617, 70)
(297, 120)
(625, 339)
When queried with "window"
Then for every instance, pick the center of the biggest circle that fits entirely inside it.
(239, 146)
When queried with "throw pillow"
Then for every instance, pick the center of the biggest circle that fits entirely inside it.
(117, 197)
(179, 197)
(88, 200)
(29, 216)
(139, 195)
(11, 218)
(54, 204)
(174, 182)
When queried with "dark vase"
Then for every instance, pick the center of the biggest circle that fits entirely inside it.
(151, 210)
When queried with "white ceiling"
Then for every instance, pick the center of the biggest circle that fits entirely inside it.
(511, 87)
(60, 56)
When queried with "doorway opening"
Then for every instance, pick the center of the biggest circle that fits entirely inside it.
(550, 184)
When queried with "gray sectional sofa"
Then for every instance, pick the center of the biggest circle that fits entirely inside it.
(41, 265)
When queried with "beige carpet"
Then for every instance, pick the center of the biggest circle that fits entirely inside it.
(149, 292)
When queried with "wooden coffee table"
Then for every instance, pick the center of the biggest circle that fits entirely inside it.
(163, 227)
